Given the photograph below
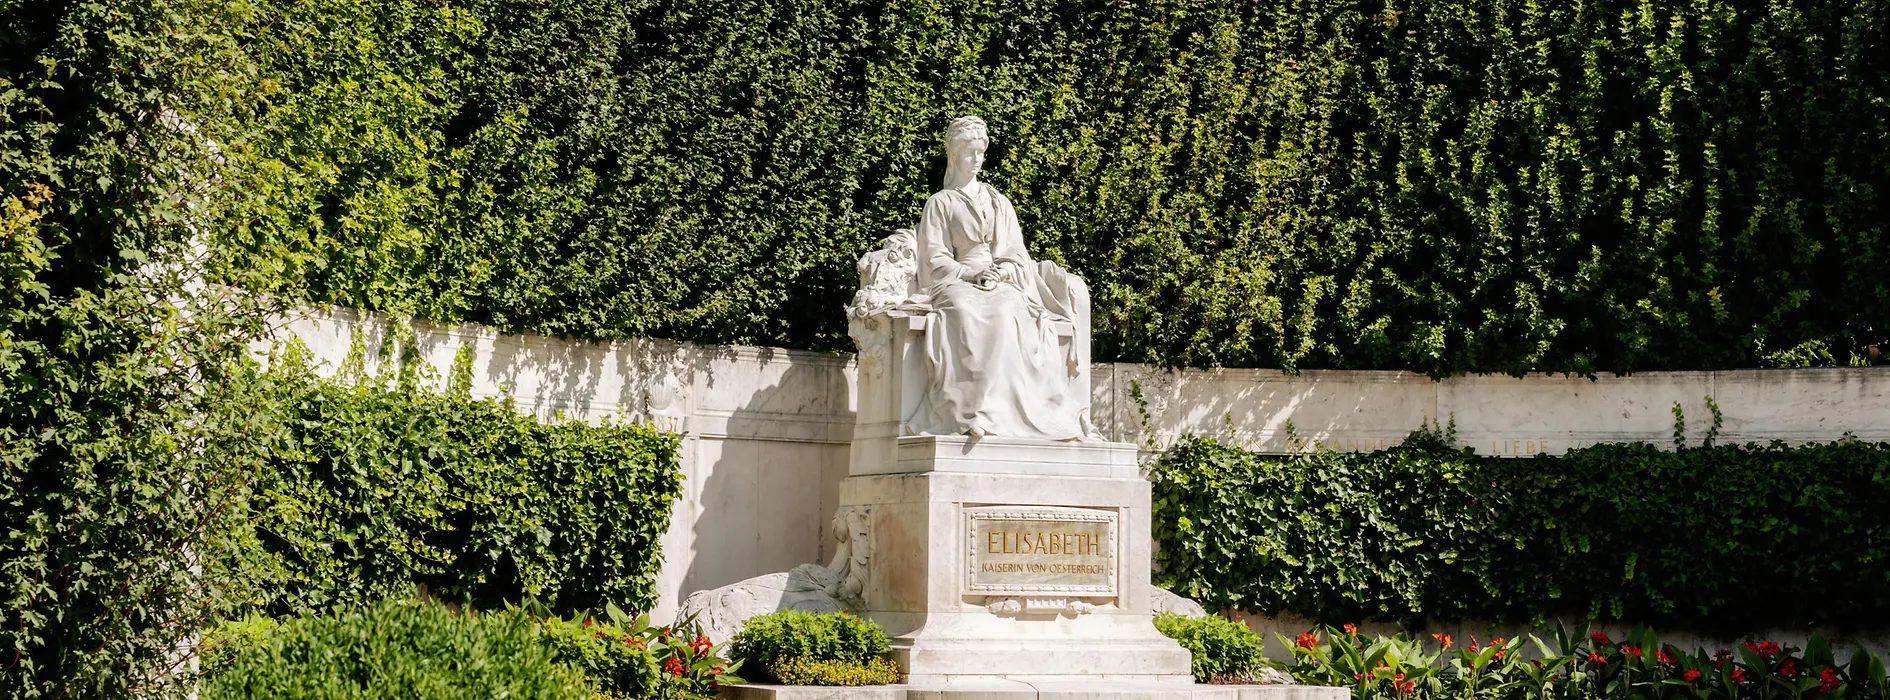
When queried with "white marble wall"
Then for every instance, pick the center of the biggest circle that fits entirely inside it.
(1496, 415)
(765, 431)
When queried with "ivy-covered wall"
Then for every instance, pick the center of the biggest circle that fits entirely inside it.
(1438, 185)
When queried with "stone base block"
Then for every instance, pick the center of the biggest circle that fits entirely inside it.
(1004, 689)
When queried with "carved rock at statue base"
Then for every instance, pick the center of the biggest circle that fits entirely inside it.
(722, 612)
(1161, 600)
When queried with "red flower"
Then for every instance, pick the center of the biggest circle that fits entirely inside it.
(674, 667)
(1352, 630)
(1630, 650)
(1358, 676)
(587, 622)
(1719, 659)
(1306, 640)
(1399, 678)
(1766, 650)
(1443, 639)
(1739, 675)
(1789, 669)
(1663, 657)
(1827, 681)
(1595, 658)
(1408, 687)
(1690, 676)
(1600, 638)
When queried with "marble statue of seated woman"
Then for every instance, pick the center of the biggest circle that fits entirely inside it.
(1008, 346)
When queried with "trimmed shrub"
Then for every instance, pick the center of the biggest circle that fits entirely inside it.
(804, 671)
(401, 650)
(383, 485)
(1224, 651)
(768, 641)
(1721, 539)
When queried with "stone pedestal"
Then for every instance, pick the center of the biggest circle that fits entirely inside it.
(1007, 559)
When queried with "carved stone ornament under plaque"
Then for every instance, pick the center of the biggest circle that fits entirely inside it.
(1038, 550)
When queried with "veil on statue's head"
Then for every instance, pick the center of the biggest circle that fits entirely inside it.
(964, 130)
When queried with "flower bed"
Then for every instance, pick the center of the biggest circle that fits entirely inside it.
(1578, 663)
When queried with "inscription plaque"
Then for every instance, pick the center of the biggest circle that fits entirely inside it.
(1035, 550)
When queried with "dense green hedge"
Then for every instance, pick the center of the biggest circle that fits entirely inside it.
(1730, 538)
(402, 650)
(1439, 185)
(382, 485)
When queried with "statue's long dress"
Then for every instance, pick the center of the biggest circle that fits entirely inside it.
(997, 363)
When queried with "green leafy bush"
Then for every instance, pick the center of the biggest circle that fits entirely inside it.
(1578, 664)
(626, 657)
(804, 671)
(384, 484)
(401, 650)
(768, 641)
(1441, 185)
(1224, 651)
(1725, 538)
(223, 644)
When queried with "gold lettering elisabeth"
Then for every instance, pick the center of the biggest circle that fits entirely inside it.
(1064, 543)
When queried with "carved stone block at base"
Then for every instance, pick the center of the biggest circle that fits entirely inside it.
(988, 575)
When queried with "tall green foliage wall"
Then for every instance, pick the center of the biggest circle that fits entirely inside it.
(1439, 185)
(126, 423)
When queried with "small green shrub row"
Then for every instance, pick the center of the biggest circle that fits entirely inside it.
(425, 651)
(804, 671)
(1579, 664)
(1224, 651)
(1724, 538)
(802, 648)
(382, 485)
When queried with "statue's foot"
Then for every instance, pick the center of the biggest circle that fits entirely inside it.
(977, 432)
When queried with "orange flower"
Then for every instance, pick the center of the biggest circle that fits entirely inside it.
(1306, 640)
(1443, 639)
(1352, 630)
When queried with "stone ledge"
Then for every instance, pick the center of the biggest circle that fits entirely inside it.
(1004, 689)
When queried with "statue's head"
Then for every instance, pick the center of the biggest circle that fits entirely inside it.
(965, 142)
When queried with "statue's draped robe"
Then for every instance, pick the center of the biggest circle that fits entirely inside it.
(997, 362)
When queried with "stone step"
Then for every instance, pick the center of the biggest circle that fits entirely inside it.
(1005, 689)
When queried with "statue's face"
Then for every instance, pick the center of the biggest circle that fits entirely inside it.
(968, 156)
